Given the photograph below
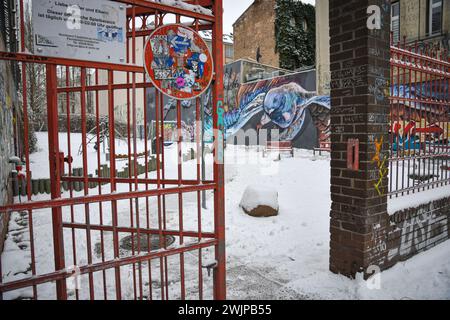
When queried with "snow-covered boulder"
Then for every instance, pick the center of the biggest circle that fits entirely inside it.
(260, 201)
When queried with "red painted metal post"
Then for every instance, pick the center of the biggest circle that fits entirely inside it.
(218, 125)
(55, 177)
(112, 176)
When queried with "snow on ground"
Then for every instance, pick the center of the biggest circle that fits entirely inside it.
(39, 160)
(283, 257)
(415, 199)
(404, 176)
(259, 195)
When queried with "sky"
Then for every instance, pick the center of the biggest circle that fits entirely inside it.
(233, 10)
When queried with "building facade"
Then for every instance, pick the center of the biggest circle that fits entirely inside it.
(279, 33)
(424, 21)
(322, 47)
(228, 45)
(254, 34)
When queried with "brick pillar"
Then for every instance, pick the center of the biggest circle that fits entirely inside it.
(359, 110)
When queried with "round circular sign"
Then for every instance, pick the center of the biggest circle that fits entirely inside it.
(178, 62)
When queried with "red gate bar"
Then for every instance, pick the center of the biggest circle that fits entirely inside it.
(61, 275)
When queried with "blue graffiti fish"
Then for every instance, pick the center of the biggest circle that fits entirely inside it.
(282, 104)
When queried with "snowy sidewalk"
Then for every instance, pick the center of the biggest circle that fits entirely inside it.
(287, 257)
(282, 257)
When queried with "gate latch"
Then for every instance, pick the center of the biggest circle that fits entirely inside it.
(210, 266)
(63, 160)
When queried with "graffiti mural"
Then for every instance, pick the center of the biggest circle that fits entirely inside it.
(415, 125)
(231, 82)
(171, 131)
(188, 114)
(243, 71)
(418, 229)
(282, 104)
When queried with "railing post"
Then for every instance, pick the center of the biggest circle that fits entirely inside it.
(218, 125)
(359, 47)
(55, 176)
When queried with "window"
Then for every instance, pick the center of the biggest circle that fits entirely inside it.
(395, 21)
(292, 22)
(305, 25)
(435, 17)
(229, 52)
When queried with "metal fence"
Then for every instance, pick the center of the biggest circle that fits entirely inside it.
(419, 119)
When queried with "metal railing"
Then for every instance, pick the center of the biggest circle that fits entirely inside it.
(419, 119)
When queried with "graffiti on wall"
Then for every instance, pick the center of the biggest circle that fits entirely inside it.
(280, 103)
(421, 231)
(231, 83)
(416, 124)
(188, 114)
(381, 162)
(170, 133)
(6, 130)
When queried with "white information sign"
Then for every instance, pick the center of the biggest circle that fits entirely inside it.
(80, 29)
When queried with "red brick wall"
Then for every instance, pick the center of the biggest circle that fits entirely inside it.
(359, 210)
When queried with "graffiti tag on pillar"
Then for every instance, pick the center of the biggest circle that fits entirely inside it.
(219, 133)
(380, 161)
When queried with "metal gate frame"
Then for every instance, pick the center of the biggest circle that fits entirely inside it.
(138, 187)
(419, 118)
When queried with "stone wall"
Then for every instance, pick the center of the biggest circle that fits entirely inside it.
(7, 98)
(256, 28)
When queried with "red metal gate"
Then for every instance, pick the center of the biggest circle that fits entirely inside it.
(97, 200)
(419, 118)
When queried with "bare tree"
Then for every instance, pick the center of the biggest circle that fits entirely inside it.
(36, 92)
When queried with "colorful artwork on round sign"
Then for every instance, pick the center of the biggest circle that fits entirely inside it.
(178, 62)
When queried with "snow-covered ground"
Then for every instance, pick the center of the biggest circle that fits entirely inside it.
(283, 257)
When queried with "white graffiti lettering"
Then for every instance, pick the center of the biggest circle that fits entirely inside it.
(417, 232)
